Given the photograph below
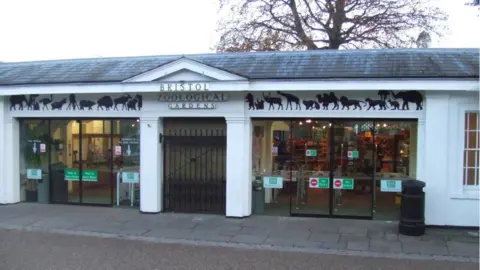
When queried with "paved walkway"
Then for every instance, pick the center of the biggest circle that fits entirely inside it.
(330, 236)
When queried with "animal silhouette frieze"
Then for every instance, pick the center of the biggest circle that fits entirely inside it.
(290, 100)
(346, 103)
(311, 104)
(35, 102)
(407, 97)
(273, 101)
(382, 104)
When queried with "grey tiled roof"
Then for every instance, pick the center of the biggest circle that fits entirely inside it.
(321, 64)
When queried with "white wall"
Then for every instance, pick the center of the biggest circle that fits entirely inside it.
(447, 202)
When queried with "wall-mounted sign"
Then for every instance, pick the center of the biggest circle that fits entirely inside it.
(391, 185)
(319, 182)
(193, 97)
(34, 174)
(192, 105)
(118, 150)
(343, 183)
(311, 153)
(274, 151)
(272, 182)
(193, 100)
(130, 177)
(87, 175)
(352, 154)
(183, 87)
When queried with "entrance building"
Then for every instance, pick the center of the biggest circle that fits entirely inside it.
(274, 133)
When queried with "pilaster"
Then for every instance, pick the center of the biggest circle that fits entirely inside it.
(239, 167)
(151, 165)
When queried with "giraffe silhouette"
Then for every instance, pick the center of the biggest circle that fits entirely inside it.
(291, 98)
(273, 100)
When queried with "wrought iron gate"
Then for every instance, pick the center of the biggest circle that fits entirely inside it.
(195, 169)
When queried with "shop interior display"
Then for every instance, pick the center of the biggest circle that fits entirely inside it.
(383, 153)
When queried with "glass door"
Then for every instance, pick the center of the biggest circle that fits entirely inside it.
(310, 166)
(64, 161)
(353, 168)
(96, 172)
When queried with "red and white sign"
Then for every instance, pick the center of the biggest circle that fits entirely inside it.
(118, 150)
(313, 182)
(43, 148)
(337, 183)
(274, 151)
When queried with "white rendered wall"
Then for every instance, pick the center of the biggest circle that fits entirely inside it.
(446, 201)
(151, 163)
(239, 167)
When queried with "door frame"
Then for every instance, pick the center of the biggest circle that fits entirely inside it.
(332, 163)
(111, 165)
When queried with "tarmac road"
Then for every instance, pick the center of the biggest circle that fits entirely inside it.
(47, 251)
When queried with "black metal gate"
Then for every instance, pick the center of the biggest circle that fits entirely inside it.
(195, 168)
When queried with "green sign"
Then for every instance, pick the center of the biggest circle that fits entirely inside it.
(343, 183)
(130, 177)
(87, 175)
(272, 182)
(348, 183)
(311, 153)
(34, 174)
(390, 185)
(319, 182)
(352, 154)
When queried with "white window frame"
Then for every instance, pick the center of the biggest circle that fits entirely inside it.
(477, 158)
(456, 187)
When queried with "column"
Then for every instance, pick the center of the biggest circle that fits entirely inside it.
(433, 165)
(9, 157)
(3, 105)
(151, 165)
(239, 167)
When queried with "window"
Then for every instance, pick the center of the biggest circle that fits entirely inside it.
(471, 152)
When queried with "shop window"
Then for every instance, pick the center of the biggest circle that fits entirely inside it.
(471, 152)
(34, 169)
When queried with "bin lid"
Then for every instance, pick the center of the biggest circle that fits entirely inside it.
(413, 184)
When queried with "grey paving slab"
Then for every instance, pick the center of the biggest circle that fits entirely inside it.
(358, 245)
(389, 236)
(385, 246)
(465, 239)
(376, 235)
(334, 245)
(56, 224)
(354, 238)
(249, 239)
(249, 230)
(223, 230)
(291, 234)
(463, 249)
(325, 237)
(353, 230)
(425, 248)
(171, 233)
(210, 236)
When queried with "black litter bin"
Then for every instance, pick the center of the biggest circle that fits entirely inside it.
(412, 208)
(258, 200)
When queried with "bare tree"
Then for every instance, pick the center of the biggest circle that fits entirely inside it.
(262, 25)
(424, 40)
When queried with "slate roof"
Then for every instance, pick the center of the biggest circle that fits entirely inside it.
(320, 64)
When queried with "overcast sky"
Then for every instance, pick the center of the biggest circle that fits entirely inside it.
(59, 29)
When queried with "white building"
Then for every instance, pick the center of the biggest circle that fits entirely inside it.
(329, 133)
